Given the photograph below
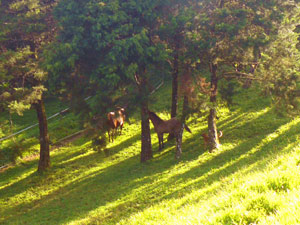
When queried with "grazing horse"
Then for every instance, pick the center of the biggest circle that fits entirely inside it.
(172, 126)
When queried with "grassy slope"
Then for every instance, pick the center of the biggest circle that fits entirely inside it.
(253, 179)
(28, 141)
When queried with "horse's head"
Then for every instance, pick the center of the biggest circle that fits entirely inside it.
(110, 115)
(150, 113)
(121, 111)
(153, 116)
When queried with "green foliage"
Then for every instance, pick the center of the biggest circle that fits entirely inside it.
(228, 89)
(230, 30)
(279, 69)
(24, 27)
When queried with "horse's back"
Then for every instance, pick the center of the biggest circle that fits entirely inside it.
(174, 125)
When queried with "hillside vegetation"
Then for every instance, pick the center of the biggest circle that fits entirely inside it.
(253, 179)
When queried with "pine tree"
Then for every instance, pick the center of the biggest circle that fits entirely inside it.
(25, 28)
(112, 46)
(229, 39)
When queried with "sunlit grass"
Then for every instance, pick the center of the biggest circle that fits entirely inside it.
(253, 179)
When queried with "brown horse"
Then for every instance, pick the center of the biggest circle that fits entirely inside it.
(172, 126)
(114, 122)
(121, 119)
(111, 125)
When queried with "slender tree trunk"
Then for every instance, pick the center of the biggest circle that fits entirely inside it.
(184, 108)
(44, 161)
(212, 127)
(146, 152)
(174, 89)
(175, 86)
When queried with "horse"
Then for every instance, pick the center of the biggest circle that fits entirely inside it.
(111, 123)
(114, 122)
(172, 126)
(121, 119)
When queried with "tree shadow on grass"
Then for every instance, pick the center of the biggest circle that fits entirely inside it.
(86, 194)
(256, 154)
(13, 173)
(100, 182)
(59, 161)
(114, 199)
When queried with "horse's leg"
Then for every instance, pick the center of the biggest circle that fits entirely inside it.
(112, 135)
(121, 127)
(115, 133)
(159, 142)
(108, 135)
(162, 141)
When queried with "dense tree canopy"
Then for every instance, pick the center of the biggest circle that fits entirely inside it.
(116, 50)
(229, 39)
(112, 48)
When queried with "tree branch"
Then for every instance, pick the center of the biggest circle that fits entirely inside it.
(237, 74)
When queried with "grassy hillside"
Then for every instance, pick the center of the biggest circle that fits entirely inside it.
(254, 178)
(27, 143)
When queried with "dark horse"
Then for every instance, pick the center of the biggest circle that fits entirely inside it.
(172, 126)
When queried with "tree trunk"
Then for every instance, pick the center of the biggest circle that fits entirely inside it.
(184, 108)
(146, 152)
(212, 127)
(44, 161)
(174, 89)
(175, 86)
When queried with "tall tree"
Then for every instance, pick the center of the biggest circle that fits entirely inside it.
(176, 22)
(172, 31)
(25, 28)
(112, 46)
(279, 67)
(230, 34)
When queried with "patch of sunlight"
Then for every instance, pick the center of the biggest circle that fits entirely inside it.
(170, 211)
(72, 159)
(247, 117)
(141, 192)
(76, 175)
(92, 216)
(19, 178)
(289, 213)
(230, 119)
(270, 137)
(44, 188)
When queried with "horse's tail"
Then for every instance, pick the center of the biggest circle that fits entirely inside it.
(187, 128)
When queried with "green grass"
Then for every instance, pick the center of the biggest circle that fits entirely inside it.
(27, 143)
(253, 179)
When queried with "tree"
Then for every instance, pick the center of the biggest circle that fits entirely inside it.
(112, 46)
(173, 31)
(176, 22)
(25, 28)
(230, 35)
(280, 65)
